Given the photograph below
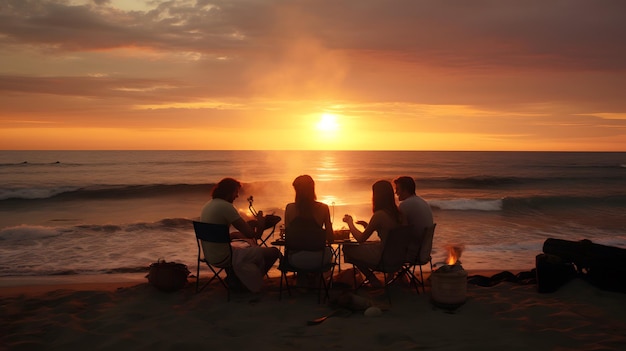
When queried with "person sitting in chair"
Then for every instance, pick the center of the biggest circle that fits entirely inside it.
(308, 225)
(307, 229)
(415, 209)
(385, 217)
(250, 261)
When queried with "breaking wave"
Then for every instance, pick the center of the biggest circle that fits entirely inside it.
(526, 203)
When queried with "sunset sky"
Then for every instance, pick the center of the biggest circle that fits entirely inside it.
(313, 74)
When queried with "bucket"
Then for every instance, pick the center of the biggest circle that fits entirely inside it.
(449, 287)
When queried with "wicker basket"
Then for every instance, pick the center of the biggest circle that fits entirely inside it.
(168, 276)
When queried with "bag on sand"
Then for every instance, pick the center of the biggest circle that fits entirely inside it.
(168, 276)
(552, 272)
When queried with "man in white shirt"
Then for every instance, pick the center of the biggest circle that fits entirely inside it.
(250, 261)
(415, 209)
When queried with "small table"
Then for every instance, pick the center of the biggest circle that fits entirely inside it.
(336, 251)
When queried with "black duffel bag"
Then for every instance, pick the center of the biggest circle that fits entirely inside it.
(601, 265)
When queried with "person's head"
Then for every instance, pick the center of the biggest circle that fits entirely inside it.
(227, 189)
(305, 191)
(405, 187)
(383, 198)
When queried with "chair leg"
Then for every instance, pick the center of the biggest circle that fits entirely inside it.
(198, 288)
(354, 272)
(216, 274)
(332, 274)
(283, 275)
(365, 281)
(387, 286)
(408, 271)
(422, 280)
(267, 237)
(323, 284)
(198, 277)
(416, 281)
(280, 287)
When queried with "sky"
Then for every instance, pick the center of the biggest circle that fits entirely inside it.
(313, 74)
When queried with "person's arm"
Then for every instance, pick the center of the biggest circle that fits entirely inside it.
(358, 235)
(251, 232)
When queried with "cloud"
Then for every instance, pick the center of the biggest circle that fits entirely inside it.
(482, 66)
(481, 35)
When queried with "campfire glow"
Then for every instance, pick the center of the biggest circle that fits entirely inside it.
(454, 254)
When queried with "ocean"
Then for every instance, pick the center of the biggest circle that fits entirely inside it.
(107, 212)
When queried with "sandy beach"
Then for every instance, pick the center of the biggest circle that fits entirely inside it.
(133, 315)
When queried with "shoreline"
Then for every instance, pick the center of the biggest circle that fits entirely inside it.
(32, 285)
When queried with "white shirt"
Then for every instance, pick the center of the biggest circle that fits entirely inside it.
(419, 215)
(219, 211)
(417, 212)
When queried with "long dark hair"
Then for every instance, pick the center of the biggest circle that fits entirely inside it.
(305, 193)
(225, 188)
(384, 199)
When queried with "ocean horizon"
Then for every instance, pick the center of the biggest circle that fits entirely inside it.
(103, 212)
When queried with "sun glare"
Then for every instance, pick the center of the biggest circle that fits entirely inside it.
(328, 123)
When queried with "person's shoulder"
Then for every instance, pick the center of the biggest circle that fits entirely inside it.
(223, 205)
(414, 199)
(421, 199)
(320, 204)
(221, 202)
(291, 207)
(321, 210)
(380, 213)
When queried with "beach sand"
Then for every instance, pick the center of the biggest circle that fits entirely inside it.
(133, 315)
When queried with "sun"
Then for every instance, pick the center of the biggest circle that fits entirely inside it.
(328, 123)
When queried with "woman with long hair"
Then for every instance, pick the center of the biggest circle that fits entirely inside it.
(307, 226)
(385, 217)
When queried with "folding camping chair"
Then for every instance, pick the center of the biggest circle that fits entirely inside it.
(213, 249)
(392, 259)
(308, 239)
(422, 257)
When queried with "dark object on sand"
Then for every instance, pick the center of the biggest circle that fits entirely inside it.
(168, 276)
(449, 286)
(553, 272)
(601, 265)
(350, 301)
(524, 278)
(342, 312)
